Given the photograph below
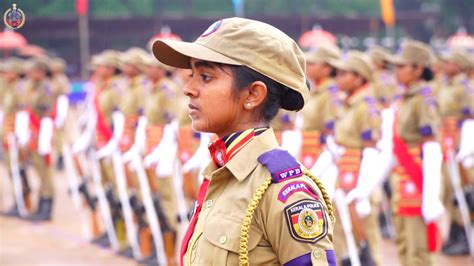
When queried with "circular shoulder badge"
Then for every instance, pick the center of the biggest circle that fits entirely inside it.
(306, 220)
(14, 18)
(213, 28)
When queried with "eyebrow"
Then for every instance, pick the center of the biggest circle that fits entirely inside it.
(207, 64)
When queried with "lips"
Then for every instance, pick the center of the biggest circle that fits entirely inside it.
(192, 107)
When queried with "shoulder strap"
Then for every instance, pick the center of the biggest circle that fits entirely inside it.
(281, 165)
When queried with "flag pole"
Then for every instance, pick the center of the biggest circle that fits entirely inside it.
(82, 6)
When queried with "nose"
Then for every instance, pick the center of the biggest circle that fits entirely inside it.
(190, 90)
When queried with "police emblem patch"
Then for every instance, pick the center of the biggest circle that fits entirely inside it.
(306, 220)
(14, 18)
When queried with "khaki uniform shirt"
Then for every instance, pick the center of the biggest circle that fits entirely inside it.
(273, 241)
(60, 85)
(38, 97)
(384, 87)
(418, 116)
(358, 120)
(108, 99)
(10, 104)
(132, 100)
(160, 104)
(453, 97)
(320, 111)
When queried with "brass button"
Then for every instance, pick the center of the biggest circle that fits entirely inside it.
(209, 203)
(222, 239)
(317, 254)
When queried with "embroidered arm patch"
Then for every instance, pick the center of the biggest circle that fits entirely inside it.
(293, 187)
(306, 220)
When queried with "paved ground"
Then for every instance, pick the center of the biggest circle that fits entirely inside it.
(61, 242)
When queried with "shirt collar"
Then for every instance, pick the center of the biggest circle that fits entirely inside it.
(245, 161)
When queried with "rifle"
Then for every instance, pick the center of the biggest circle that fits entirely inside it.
(103, 203)
(345, 219)
(15, 172)
(150, 210)
(125, 202)
(73, 180)
(459, 195)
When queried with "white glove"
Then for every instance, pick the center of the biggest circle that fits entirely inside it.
(466, 141)
(336, 150)
(45, 137)
(118, 121)
(388, 117)
(62, 108)
(324, 160)
(87, 135)
(363, 208)
(140, 134)
(161, 150)
(200, 156)
(167, 158)
(22, 128)
(431, 208)
(291, 140)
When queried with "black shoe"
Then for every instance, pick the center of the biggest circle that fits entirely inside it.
(60, 163)
(457, 247)
(456, 233)
(346, 262)
(12, 212)
(149, 261)
(43, 213)
(365, 255)
(126, 252)
(102, 241)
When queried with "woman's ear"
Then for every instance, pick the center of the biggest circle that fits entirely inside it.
(256, 95)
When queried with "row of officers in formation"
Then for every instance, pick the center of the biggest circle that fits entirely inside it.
(133, 162)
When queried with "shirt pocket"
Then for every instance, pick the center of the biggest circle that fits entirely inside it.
(223, 233)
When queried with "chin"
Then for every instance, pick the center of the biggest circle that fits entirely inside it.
(197, 126)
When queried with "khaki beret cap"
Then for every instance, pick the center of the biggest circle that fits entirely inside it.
(412, 52)
(57, 64)
(244, 42)
(38, 63)
(379, 54)
(13, 64)
(323, 54)
(355, 61)
(151, 61)
(108, 58)
(458, 57)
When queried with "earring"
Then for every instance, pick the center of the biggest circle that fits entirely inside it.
(248, 104)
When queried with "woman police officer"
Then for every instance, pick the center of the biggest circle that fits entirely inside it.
(256, 204)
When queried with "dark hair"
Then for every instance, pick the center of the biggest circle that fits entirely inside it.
(333, 73)
(364, 80)
(427, 74)
(244, 76)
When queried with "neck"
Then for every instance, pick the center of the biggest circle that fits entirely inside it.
(452, 75)
(240, 127)
(320, 80)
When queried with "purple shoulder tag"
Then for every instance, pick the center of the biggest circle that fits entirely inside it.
(281, 165)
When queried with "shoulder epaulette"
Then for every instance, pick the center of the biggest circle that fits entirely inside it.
(427, 94)
(281, 165)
